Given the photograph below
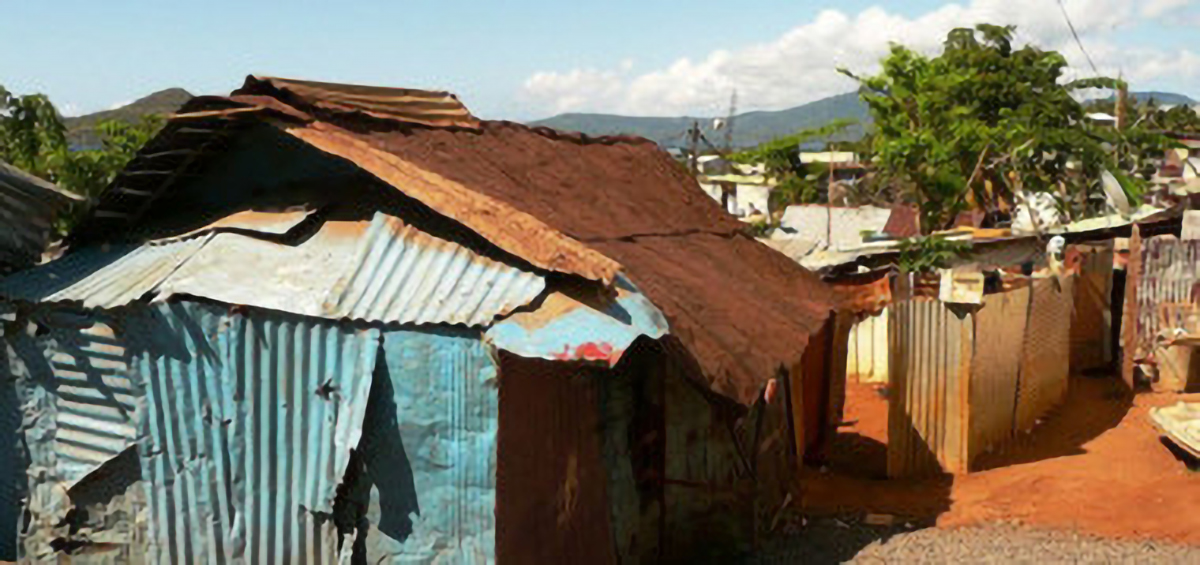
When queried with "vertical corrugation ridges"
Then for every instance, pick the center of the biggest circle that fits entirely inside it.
(252, 421)
(1000, 328)
(928, 418)
(867, 357)
(1169, 272)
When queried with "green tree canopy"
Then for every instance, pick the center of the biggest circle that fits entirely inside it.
(983, 123)
(33, 138)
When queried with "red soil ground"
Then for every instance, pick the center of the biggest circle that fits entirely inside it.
(1095, 466)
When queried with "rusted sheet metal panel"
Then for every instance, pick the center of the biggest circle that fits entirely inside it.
(429, 451)
(378, 271)
(1129, 307)
(1045, 363)
(518, 233)
(708, 493)
(867, 355)
(424, 107)
(1167, 294)
(549, 449)
(565, 328)
(1091, 343)
(250, 424)
(28, 208)
(928, 411)
(999, 340)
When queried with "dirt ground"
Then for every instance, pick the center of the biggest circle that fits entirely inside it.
(1096, 466)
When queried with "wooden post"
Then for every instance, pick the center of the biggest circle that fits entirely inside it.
(1122, 96)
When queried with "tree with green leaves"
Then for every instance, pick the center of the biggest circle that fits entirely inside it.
(983, 124)
(34, 139)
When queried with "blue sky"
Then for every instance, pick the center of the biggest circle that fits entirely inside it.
(532, 58)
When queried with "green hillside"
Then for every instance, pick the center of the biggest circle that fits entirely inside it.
(81, 130)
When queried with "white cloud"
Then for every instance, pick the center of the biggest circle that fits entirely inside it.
(800, 65)
(1158, 8)
(70, 110)
(120, 105)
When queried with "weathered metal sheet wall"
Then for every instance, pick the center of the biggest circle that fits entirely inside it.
(707, 494)
(999, 339)
(551, 494)
(631, 421)
(1045, 358)
(867, 358)
(928, 410)
(1092, 325)
(80, 410)
(430, 453)
(250, 423)
(1166, 293)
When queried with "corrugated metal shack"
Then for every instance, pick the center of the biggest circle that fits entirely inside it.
(313, 322)
(965, 379)
(28, 208)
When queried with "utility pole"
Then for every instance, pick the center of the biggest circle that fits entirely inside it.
(694, 147)
(1122, 96)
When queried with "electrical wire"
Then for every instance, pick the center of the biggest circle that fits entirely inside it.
(1075, 34)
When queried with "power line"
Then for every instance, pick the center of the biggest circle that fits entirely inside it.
(1075, 34)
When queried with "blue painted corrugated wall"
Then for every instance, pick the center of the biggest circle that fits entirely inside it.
(249, 429)
(429, 450)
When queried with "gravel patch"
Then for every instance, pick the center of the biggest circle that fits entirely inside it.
(837, 541)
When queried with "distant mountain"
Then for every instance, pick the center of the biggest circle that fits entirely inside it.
(749, 129)
(1168, 98)
(81, 131)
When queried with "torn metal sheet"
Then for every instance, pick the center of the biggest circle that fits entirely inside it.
(1181, 424)
(274, 223)
(379, 271)
(250, 424)
(565, 329)
(428, 476)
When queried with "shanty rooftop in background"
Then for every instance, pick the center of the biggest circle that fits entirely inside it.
(550, 203)
(862, 238)
(28, 208)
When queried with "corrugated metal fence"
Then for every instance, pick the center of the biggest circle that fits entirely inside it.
(965, 380)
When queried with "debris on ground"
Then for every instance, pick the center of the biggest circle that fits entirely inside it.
(1180, 424)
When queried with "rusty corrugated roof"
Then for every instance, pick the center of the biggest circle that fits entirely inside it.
(590, 207)
(424, 107)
